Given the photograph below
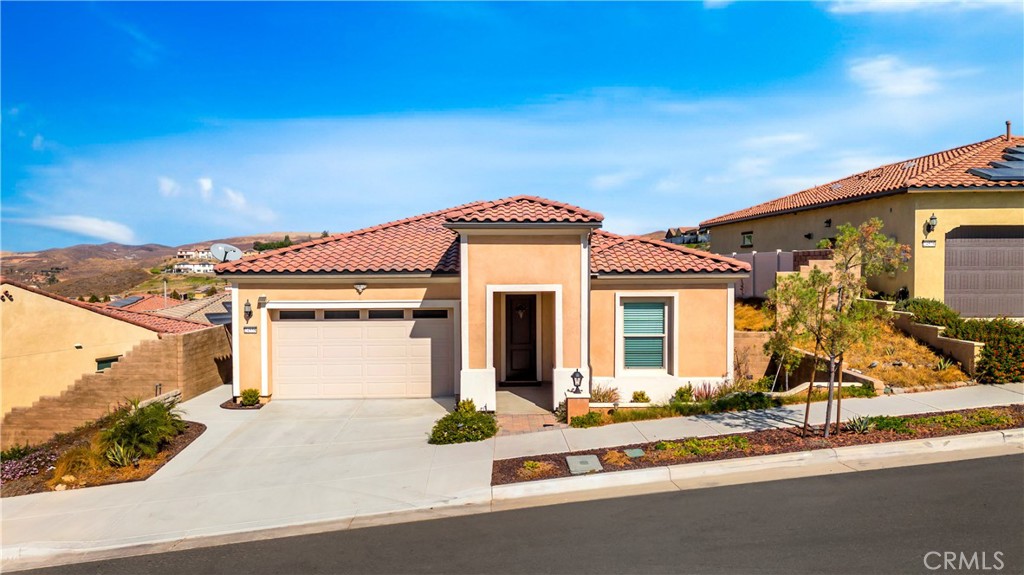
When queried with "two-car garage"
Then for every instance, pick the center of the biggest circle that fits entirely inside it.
(362, 353)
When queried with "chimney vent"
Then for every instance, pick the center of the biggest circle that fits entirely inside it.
(1007, 130)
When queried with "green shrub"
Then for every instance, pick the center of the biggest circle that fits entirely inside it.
(562, 412)
(684, 394)
(144, 430)
(592, 419)
(463, 425)
(250, 397)
(79, 459)
(653, 412)
(121, 456)
(891, 423)
(640, 397)
(1002, 358)
(601, 394)
(744, 400)
(701, 447)
(930, 311)
(690, 408)
(16, 452)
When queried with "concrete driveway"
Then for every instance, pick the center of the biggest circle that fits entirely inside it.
(290, 463)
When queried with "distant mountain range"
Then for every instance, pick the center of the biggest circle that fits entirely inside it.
(110, 268)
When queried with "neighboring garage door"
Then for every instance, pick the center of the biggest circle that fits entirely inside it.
(365, 353)
(985, 271)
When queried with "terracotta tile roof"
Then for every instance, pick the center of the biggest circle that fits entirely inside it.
(524, 209)
(154, 323)
(196, 310)
(947, 169)
(424, 244)
(150, 302)
(615, 254)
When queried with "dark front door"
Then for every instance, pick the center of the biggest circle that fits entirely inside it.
(521, 337)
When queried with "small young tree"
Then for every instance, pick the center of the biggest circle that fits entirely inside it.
(93, 298)
(826, 305)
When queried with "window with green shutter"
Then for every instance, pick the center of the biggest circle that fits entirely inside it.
(643, 331)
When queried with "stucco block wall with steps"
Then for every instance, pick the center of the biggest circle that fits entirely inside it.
(193, 363)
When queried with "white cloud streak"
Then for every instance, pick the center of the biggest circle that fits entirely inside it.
(168, 187)
(899, 6)
(646, 161)
(889, 76)
(88, 226)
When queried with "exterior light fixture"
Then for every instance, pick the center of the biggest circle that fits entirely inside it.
(359, 288)
(247, 311)
(261, 301)
(577, 380)
(828, 223)
(809, 235)
(931, 224)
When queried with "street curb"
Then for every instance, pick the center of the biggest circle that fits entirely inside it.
(760, 464)
(747, 469)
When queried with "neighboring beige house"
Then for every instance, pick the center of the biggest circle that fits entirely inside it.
(519, 291)
(66, 362)
(960, 210)
(214, 310)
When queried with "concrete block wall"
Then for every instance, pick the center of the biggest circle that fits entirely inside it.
(192, 363)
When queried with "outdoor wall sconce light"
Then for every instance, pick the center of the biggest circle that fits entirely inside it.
(247, 311)
(359, 288)
(828, 223)
(577, 380)
(809, 235)
(931, 224)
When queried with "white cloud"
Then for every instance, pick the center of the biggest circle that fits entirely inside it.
(237, 202)
(889, 76)
(106, 230)
(716, 4)
(642, 165)
(168, 187)
(895, 6)
(38, 143)
(205, 188)
(613, 180)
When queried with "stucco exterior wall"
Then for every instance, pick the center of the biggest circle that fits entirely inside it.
(904, 216)
(954, 210)
(249, 344)
(519, 260)
(701, 341)
(38, 345)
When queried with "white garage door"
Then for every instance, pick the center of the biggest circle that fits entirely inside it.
(324, 358)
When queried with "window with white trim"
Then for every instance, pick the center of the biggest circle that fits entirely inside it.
(644, 334)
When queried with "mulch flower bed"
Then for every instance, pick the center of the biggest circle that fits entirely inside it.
(767, 442)
(44, 456)
(232, 404)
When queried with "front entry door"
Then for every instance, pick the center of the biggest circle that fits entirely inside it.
(521, 337)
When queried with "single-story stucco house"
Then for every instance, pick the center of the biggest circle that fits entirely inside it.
(460, 301)
(960, 210)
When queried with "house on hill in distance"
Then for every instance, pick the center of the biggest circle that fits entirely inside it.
(960, 210)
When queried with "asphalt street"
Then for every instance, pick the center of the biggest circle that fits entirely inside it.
(962, 517)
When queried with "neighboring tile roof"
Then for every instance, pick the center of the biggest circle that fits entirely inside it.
(944, 170)
(154, 323)
(423, 244)
(196, 310)
(524, 209)
(614, 254)
(148, 302)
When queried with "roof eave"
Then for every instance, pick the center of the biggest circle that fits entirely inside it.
(893, 192)
(456, 226)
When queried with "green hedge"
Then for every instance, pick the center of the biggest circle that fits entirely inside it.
(463, 425)
(930, 311)
(1002, 358)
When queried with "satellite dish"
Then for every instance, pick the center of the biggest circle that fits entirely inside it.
(225, 252)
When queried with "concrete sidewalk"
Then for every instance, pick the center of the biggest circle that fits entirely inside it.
(344, 464)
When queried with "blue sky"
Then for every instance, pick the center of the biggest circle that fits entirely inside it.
(179, 122)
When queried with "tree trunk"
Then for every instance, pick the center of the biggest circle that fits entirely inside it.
(831, 384)
(839, 397)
